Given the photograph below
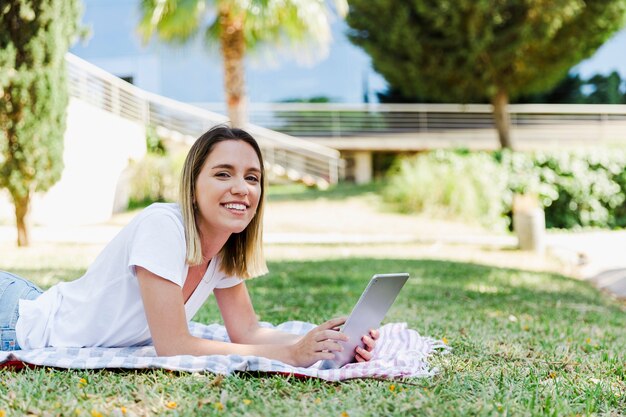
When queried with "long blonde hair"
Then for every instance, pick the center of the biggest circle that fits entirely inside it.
(242, 255)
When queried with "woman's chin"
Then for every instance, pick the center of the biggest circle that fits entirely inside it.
(239, 228)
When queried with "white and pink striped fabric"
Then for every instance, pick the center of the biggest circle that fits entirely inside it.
(400, 352)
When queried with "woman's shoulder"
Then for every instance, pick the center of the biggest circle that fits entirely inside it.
(171, 210)
(157, 216)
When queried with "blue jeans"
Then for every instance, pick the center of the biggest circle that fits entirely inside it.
(13, 289)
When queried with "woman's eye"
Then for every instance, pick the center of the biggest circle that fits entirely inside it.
(252, 178)
(222, 174)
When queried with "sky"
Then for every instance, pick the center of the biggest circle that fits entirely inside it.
(610, 57)
(191, 73)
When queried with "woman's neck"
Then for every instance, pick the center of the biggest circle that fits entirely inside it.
(212, 243)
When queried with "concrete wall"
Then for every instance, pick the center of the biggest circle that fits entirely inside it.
(98, 148)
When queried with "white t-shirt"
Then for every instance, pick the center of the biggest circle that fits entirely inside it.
(104, 307)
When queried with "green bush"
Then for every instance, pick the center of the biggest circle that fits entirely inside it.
(450, 184)
(154, 143)
(576, 189)
(155, 178)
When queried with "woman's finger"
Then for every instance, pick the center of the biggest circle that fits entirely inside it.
(369, 343)
(328, 345)
(332, 323)
(375, 334)
(330, 335)
(363, 354)
(324, 355)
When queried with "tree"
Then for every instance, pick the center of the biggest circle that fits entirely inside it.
(480, 49)
(599, 89)
(34, 37)
(240, 26)
(606, 89)
(566, 91)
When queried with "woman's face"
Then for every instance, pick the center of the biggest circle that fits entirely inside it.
(228, 189)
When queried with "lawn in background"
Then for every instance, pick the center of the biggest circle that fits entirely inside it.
(523, 344)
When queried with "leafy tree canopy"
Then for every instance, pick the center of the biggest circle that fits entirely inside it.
(467, 50)
(34, 37)
(282, 23)
(239, 26)
(599, 89)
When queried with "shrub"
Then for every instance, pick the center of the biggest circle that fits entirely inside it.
(448, 184)
(576, 189)
(155, 178)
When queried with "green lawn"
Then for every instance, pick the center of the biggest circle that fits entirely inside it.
(523, 344)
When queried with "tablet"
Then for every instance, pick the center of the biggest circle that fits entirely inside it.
(367, 314)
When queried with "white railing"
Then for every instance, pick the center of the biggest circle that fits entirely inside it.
(296, 158)
(361, 120)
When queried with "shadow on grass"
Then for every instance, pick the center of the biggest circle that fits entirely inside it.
(300, 192)
(317, 290)
(47, 277)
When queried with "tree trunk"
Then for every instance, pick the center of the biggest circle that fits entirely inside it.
(502, 118)
(21, 204)
(233, 48)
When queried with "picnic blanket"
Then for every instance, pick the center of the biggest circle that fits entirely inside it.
(400, 352)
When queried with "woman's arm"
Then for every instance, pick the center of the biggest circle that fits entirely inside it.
(243, 326)
(165, 312)
(241, 321)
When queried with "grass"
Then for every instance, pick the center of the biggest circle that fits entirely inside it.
(524, 343)
(300, 192)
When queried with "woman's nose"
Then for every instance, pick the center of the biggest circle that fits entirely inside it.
(239, 187)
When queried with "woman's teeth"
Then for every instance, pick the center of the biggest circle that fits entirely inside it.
(234, 206)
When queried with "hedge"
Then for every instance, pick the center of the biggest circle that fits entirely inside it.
(577, 188)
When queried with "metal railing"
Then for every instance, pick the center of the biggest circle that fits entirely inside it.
(298, 159)
(362, 120)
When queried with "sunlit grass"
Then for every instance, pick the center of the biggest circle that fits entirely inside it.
(523, 344)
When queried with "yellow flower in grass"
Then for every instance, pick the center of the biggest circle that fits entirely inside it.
(219, 406)
(392, 388)
(3, 413)
(317, 400)
(445, 340)
(171, 405)
(123, 410)
(247, 401)
(344, 414)
(82, 383)
(96, 413)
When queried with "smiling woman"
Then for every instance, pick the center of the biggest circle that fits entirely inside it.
(152, 278)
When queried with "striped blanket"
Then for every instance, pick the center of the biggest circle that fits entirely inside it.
(400, 352)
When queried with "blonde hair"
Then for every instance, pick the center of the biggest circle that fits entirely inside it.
(242, 255)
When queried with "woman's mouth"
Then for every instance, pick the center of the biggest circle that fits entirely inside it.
(236, 206)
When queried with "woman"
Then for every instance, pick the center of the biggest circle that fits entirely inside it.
(150, 280)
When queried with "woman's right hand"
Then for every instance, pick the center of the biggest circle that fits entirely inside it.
(318, 344)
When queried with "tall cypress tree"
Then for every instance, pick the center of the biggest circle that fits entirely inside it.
(467, 50)
(34, 37)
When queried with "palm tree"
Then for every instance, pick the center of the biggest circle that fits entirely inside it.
(240, 26)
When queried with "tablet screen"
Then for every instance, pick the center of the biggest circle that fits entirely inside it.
(367, 314)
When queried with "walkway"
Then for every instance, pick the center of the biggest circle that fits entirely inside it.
(601, 257)
(594, 256)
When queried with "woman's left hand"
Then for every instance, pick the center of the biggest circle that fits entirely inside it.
(365, 354)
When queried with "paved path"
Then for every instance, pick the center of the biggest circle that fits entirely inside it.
(600, 256)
